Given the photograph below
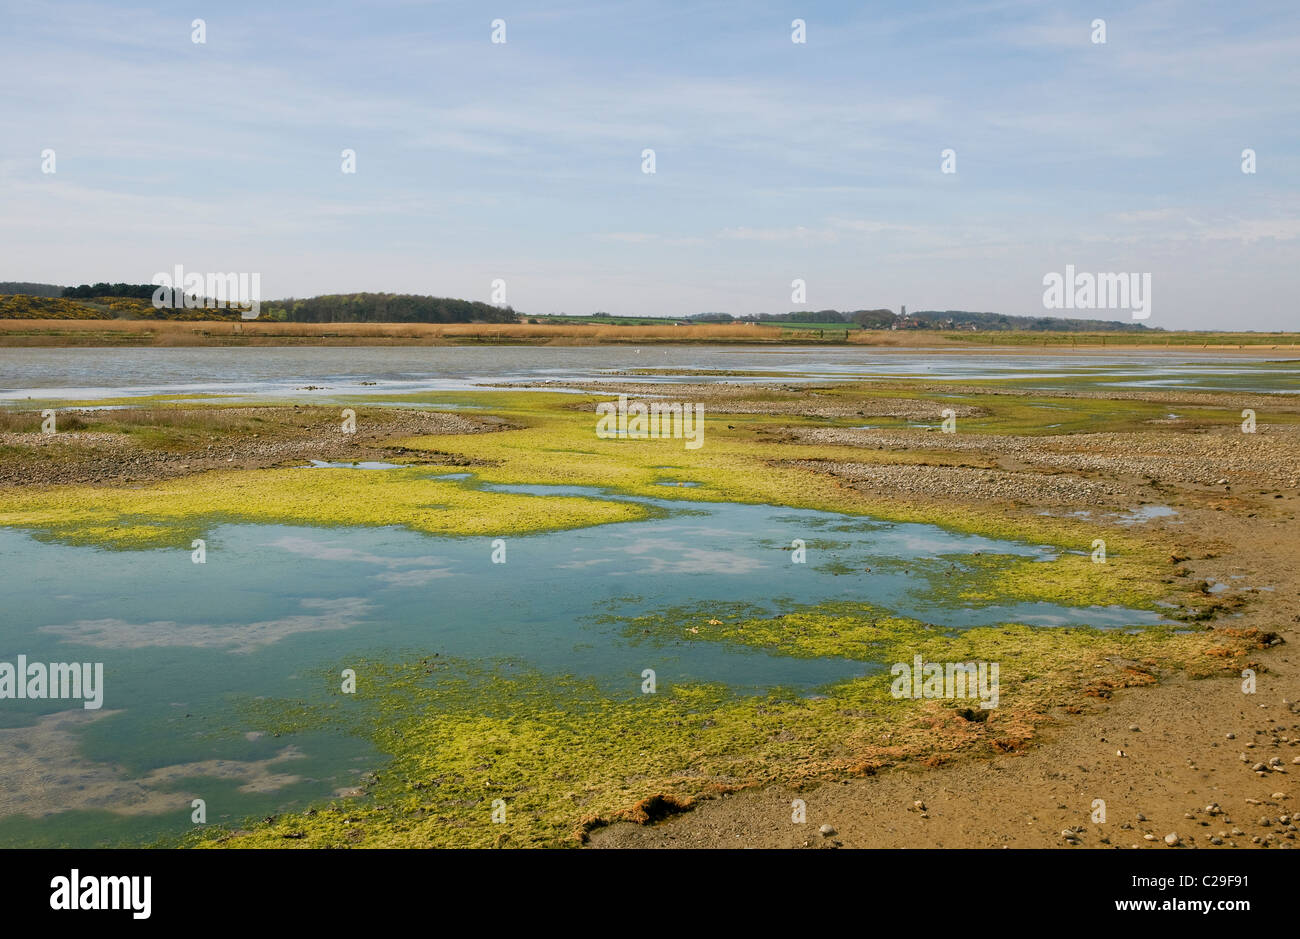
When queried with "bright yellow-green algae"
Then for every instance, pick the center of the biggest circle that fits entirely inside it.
(166, 513)
(1073, 580)
(565, 756)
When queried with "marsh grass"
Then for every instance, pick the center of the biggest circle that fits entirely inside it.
(158, 423)
(29, 422)
(215, 331)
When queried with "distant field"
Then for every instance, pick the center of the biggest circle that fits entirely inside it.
(121, 332)
(1090, 339)
(668, 321)
(33, 332)
(599, 320)
(840, 327)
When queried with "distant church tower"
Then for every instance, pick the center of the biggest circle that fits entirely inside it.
(904, 311)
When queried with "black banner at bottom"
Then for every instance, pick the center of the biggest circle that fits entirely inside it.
(144, 888)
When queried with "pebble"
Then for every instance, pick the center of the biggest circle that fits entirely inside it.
(826, 831)
(1149, 837)
(1134, 728)
(1172, 839)
(1231, 736)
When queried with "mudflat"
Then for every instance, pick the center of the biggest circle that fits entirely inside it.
(1102, 736)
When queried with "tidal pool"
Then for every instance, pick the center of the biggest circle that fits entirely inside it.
(279, 612)
(363, 464)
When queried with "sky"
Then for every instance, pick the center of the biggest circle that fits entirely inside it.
(521, 161)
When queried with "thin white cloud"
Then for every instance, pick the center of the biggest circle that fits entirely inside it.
(113, 633)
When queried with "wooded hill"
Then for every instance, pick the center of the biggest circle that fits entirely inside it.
(21, 300)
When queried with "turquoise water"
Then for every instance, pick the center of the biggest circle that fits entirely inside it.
(279, 612)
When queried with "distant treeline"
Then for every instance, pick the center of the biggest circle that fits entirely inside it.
(89, 291)
(331, 308)
(928, 319)
(936, 319)
(386, 308)
(414, 308)
(8, 287)
(170, 304)
(870, 319)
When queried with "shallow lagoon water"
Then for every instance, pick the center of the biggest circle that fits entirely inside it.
(279, 612)
(1136, 516)
(332, 372)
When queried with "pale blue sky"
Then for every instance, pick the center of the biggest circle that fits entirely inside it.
(775, 160)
